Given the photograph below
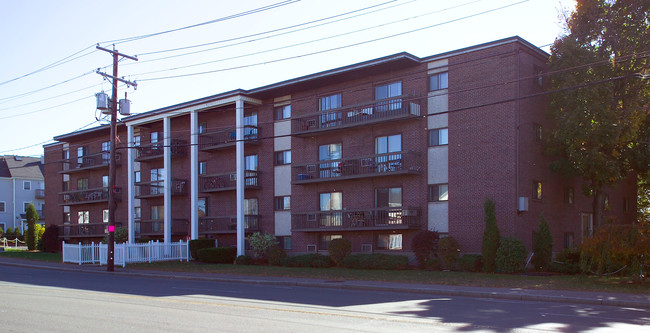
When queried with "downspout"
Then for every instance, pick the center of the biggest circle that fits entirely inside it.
(13, 203)
(517, 137)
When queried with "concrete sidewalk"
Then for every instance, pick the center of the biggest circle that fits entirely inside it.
(561, 296)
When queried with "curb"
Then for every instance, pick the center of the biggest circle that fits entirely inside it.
(433, 290)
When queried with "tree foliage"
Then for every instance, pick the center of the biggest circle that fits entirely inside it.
(30, 235)
(542, 246)
(600, 100)
(491, 236)
(261, 243)
(425, 246)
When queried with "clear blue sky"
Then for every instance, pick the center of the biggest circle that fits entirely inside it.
(58, 100)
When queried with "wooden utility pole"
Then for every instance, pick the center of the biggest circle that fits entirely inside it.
(112, 204)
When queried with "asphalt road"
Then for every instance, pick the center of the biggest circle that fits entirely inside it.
(41, 300)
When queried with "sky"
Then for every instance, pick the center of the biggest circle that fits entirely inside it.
(192, 49)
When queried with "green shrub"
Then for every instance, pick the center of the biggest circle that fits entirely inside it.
(542, 246)
(30, 234)
(339, 249)
(567, 261)
(433, 264)
(276, 254)
(491, 236)
(448, 251)
(121, 235)
(307, 260)
(376, 261)
(201, 243)
(50, 239)
(244, 260)
(261, 243)
(511, 256)
(470, 263)
(217, 255)
(425, 246)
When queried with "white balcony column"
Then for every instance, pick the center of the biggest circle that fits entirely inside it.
(194, 174)
(130, 189)
(239, 153)
(167, 187)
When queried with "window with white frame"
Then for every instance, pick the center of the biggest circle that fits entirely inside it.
(3, 206)
(389, 93)
(203, 167)
(325, 240)
(438, 81)
(282, 112)
(202, 207)
(438, 192)
(283, 202)
(250, 162)
(203, 127)
(83, 217)
(157, 181)
(27, 185)
(389, 241)
(283, 157)
(81, 152)
(438, 137)
(137, 213)
(329, 152)
(105, 216)
(82, 184)
(332, 102)
(157, 212)
(26, 205)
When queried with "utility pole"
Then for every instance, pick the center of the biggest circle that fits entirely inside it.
(112, 204)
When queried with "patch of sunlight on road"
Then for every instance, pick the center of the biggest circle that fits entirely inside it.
(551, 327)
(405, 308)
(620, 327)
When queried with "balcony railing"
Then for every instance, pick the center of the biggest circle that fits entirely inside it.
(157, 227)
(225, 138)
(227, 181)
(156, 188)
(227, 224)
(363, 219)
(397, 163)
(85, 229)
(40, 194)
(91, 161)
(157, 150)
(356, 115)
(87, 196)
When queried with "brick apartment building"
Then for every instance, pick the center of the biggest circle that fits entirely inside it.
(371, 152)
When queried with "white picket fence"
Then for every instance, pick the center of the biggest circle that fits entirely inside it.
(97, 253)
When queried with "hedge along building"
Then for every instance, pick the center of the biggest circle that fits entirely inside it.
(371, 152)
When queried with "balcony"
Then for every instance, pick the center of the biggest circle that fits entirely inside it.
(145, 190)
(157, 227)
(398, 163)
(227, 181)
(393, 218)
(89, 162)
(39, 194)
(85, 230)
(156, 150)
(357, 115)
(227, 224)
(226, 138)
(87, 196)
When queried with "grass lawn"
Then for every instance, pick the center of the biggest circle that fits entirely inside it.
(557, 282)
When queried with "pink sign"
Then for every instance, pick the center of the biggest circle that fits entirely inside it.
(111, 228)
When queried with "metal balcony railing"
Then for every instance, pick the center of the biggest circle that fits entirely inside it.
(227, 224)
(390, 109)
(87, 196)
(157, 227)
(227, 181)
(358, 219)
(85, 229)
(404, 162)
(91, 161)
(157, 188)
(156, 150)
(226, 137)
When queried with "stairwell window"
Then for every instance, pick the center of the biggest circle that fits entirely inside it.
(438, 81)
(438, 192)
(282, 112)
(438, 137)
(283, 203)
(283, 157)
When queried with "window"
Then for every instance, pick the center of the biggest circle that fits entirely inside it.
(66, 154)
(83, 217)
(137, 140)
(251, 163)
(330, 102)
(438, 81)
(81, 152)
(387, 91)
(282, 112)
(157, 181)
(283, 203)
(438, 192)
(105, 181)
(587, 223)
(105, 216)
(606, 202)
(203, 168)
(157, 212)
(388, 197)
(250, 126)
(106, 152)
(137, 213)
(137, 179)
(389, 241)
(66, 217)
(332, 201)
(82, 184)
(537, 190)
(203, 127)
(283, 157)
(388, 144)
(25, 206)
(203, 207)
(328, 153)
(539, 75)
(569, 195)
(27, 185)
(538, 132)
(326, 239)
(155, 136)
(3, 207)
(438, 137)
(285, 242)
(569, 241)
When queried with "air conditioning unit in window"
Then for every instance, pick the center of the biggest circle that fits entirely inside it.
(522, 205)
(366, 248)
(311, 248)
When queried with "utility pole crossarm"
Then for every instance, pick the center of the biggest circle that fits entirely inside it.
(128, 83)
(118, 53)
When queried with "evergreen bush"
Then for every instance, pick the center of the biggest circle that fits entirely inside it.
(491, 236)
(201, 243)
(50, 239)
(376, 261)
(260, 244)
(567, 261)
(339, 249)
(244, 260)
(425, 246)
(470, 263)
(511, 256)
(217, 255)
(276, 254)
(448, 252)
(32, 218)
(307, 260)
(542, 246)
